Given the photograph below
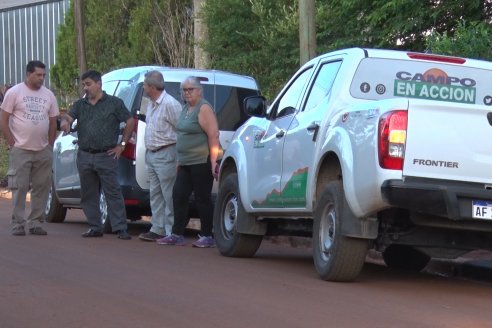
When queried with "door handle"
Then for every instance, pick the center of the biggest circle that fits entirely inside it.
(314, 127)
(280, 134)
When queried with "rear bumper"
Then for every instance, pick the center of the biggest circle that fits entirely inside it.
(450, 199)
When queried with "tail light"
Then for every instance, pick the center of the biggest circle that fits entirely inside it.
(130, 151)
(392, 135)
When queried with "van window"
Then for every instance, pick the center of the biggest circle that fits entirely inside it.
(378, 78)
(227, 102)
(229, 106)
(322, 84)
(126, 91)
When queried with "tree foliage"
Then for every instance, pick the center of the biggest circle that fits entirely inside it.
(472, 40)
(261, 37)
(395, 24)
(123, 33)
(255, 37)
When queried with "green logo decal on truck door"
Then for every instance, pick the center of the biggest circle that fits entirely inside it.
(293, 194)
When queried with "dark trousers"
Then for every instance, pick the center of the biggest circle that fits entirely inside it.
(199, 180)
(100, 172)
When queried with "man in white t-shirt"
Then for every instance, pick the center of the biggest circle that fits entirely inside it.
(28, 121)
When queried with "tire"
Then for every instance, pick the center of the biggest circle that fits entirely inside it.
(54, 211)
(336, 257)
(405, 257)
(228, 211)
(103, 207)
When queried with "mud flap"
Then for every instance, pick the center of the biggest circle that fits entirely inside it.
(249, 225)
(352, 226)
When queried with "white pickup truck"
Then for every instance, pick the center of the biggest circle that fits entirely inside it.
(364, 149)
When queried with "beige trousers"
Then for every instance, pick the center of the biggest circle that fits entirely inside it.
(29, 170)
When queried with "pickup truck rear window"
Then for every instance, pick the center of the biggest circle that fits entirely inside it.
(378, 78)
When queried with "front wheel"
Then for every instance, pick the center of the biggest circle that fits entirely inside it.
(54, 211)
(103, 208)
(336, 257)
(228, 212)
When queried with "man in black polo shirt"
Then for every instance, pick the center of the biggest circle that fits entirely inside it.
(98, 125)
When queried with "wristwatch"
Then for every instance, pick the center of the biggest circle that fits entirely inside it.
(123, 144)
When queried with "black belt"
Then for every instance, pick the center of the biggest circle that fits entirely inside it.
(161, 148)
(95, 151)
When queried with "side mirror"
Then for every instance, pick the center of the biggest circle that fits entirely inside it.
(255, 106)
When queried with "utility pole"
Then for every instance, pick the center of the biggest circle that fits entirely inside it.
(78, 8)
(307, 30)
(200, 34)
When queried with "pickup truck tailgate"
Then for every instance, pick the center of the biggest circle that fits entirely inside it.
(449, 141)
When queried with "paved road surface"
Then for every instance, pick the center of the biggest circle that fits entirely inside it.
(63, 280)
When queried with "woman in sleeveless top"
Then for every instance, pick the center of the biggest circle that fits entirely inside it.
(197, 149)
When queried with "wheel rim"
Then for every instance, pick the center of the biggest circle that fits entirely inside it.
(327, 232)
(229, 216)
(103, 207)
(48, 203)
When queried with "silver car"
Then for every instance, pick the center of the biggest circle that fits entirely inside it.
(225, 91)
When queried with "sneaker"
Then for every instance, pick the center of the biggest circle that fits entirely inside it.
(123, 234)
(149, 236)
(172, 240)
(92, 233)
(204, 242)
(18, 231)
(37, 231)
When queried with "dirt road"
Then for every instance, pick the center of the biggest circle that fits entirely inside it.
(63, 280)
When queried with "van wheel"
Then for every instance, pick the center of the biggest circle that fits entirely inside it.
(228, 211)
(103, 207)
(54, 211)
(336, 257)
(405, 257)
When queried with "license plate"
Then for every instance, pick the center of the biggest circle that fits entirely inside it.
(482, 209)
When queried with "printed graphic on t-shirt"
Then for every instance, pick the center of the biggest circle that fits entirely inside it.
(35, 109)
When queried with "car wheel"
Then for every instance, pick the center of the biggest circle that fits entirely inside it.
(103, 208)
(336, 257)
(54, 211)
(405, 257)
(228, 211)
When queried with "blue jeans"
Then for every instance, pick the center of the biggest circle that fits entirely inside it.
(99, 172)
(161, 167)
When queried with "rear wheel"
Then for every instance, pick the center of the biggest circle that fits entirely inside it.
(228, 212)
(54, 211)
(405, 257)
(336, 257)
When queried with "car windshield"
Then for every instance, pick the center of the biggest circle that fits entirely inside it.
(126, 92)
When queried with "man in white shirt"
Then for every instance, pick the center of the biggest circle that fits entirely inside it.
(160, 140)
